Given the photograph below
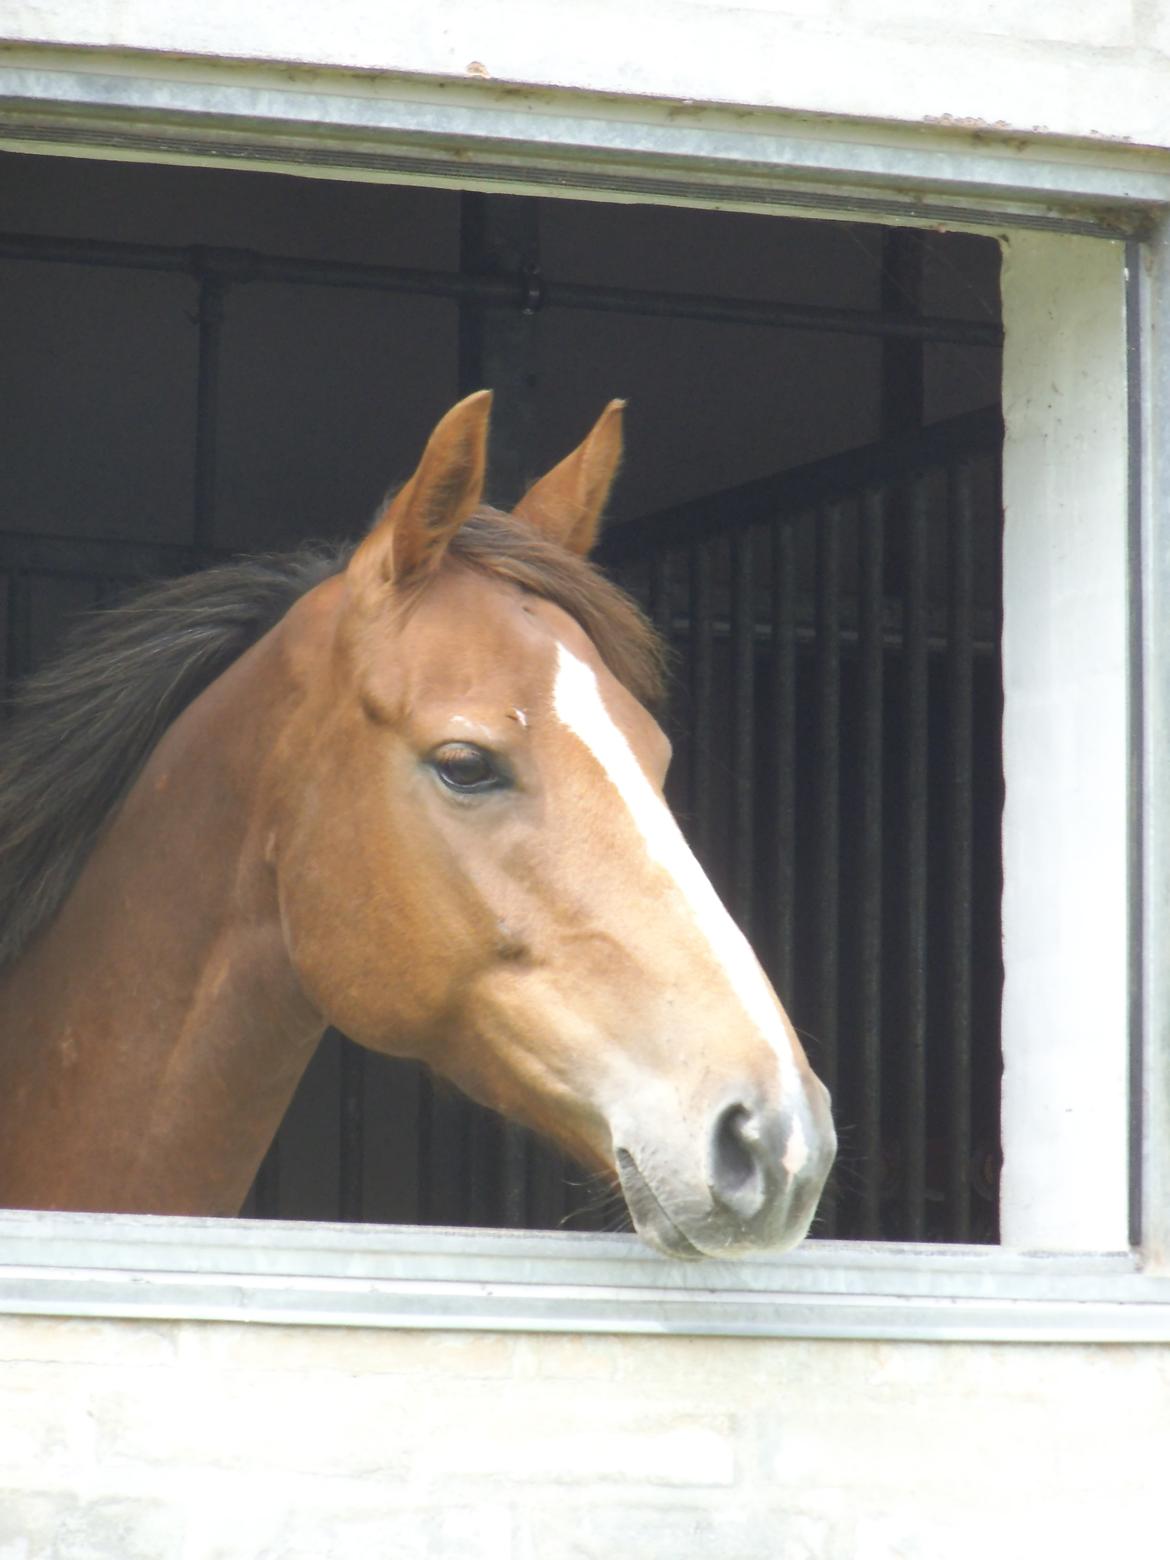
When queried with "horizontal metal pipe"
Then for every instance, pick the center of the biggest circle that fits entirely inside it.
(784, 496)
(244, 265)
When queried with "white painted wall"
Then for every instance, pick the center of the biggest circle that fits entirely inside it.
(203, 1441)
(1065, 925)
(1053, 67)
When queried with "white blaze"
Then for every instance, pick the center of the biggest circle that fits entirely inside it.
(796, 1151)
(578, 704)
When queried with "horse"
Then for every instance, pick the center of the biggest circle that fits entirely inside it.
(411, 789)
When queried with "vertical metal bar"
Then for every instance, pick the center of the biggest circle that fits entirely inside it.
(828, 825)
(209, 319)
(514, 1174)
(500, 238)
(784, 750)
(19, 638)
(903, 358)
(661, 594)
(424, 1130)
(743, 655)
(701, 647)
(351, 1155)
(961, 695)
(443, 1153)
(1137, 270)
(483, 1192)
(872, 653)
(547, 1187)
(914, 758)
(266, 1187)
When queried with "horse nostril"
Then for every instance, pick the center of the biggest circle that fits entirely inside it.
(737, 1173)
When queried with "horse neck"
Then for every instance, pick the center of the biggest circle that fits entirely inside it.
(154, 1034)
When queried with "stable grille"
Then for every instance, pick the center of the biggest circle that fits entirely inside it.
(837, 770)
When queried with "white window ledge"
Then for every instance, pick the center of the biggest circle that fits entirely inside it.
(109, 1265)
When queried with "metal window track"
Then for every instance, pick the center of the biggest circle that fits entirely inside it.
(149, 1268)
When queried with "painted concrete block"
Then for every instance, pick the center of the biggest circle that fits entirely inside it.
(524, 1441)
(687, 1530)
(62, 1527)
(1050, 21)
(336, 1531)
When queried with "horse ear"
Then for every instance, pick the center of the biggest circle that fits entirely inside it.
(567, 503)
(411, 534)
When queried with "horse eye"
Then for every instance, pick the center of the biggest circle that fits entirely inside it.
(464, 767)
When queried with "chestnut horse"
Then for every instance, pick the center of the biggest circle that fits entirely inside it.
(415, 795)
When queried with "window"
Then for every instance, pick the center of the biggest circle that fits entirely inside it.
(1071, 1079)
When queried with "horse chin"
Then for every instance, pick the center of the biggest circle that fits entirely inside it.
(651, 1219)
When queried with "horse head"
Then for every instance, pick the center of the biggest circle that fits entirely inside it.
(476, 865)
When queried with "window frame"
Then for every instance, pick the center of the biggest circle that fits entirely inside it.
(485, 137)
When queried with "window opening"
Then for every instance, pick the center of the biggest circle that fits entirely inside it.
(834, 621)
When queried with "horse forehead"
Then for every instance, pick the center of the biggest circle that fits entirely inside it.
(484, 644)
(466, 623)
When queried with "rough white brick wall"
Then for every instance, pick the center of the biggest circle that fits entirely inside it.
(192, 1441)
(1052, 67)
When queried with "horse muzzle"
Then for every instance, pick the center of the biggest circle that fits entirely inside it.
(761, 1173)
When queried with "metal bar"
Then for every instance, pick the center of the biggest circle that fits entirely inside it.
(424, 1129)
(1137, 266)
(743, 649)
(482, 1189)
(781, 316)
(870, 863)
(1149, 389)
(266, 1187)
(442, 1152)
(351, 1143)
(783, 729)
(547, 1187)
(244, 265)
(914, 820)
(209, 319)
(788, 493)
(903, 377)
(499, 241)
(702, 702)
(961, 699)
(123, 563)
(19, 629)
(828, 821)
(983, 645)
(662, 593)
(312, 1274)
(514, 1151)
(91, 557)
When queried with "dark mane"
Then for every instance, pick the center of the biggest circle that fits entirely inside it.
(85, 725)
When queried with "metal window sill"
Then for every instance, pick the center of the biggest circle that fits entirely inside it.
(150, 1268)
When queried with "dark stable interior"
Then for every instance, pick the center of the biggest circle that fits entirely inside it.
(199, 362)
